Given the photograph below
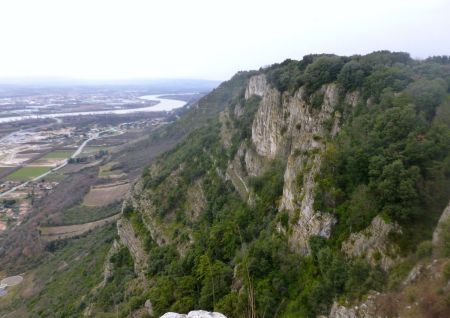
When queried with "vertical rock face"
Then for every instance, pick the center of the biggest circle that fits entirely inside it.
(257, 85)
(373, 244)
(269, 127)
(254, 163)
(235, 173)
(289, 126)
(147, 209)
(196, 200)
(226, 129)
(129, 238)
(437, 235)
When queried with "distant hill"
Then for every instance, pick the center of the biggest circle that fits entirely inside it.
(152, 85)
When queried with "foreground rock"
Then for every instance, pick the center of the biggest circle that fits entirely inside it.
(194, 314)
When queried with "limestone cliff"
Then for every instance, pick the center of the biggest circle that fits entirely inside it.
(289, 126)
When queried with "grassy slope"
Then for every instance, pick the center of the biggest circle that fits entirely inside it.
(59, 284)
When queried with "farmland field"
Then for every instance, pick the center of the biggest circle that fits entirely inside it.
(59, 154)
(105, 194)
(27, 173)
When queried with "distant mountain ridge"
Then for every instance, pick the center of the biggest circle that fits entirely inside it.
(154, 85)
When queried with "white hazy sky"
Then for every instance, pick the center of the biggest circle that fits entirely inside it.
(211, 39)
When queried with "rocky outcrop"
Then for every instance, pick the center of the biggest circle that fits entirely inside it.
(373, 244)
(226, 129)
(108, 267)
(236, 175)
(129, 238)
(238, 110)
(254, 163)
(149, 307)
(141, 202)
(437, 235)
(366, 309)
(196, 200)
(194, 314)
(269, 127)
(257, 85)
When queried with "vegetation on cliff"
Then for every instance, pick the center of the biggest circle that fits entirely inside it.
(210, 245)
(391, 158)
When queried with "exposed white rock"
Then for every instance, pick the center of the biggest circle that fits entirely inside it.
(257, 85)
(365, 309)
(254, 163)
(339, 311)
(373, 243)
(204, 314)
(414, 274)
(269, 125)
(173, 315)
(194, 314)
(437, 233)
(149, 307)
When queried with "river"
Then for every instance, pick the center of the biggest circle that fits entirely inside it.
(164, 104)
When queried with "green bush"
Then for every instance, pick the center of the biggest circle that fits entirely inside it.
(446, 271)
(352, 75)
(323, 70)
(445, 238)
(424, 249)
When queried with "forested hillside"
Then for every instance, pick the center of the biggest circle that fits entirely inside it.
(261, 210)
(300, 190)
(258, 212)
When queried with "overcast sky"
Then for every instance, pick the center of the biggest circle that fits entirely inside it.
(111, 39)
